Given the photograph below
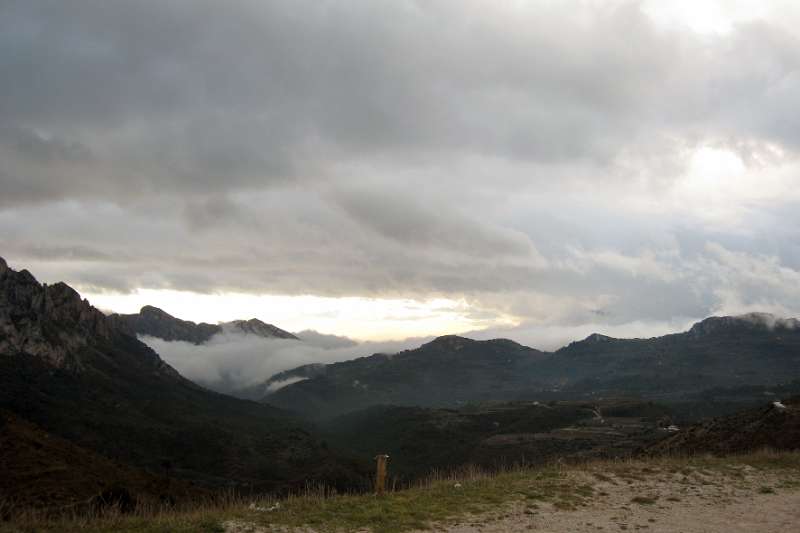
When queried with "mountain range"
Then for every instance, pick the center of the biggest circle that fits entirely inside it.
(722, 354)
(85, 404)
(717, 353)
(155, 322)
(68, 370)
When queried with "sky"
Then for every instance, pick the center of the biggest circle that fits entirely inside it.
(379, 170)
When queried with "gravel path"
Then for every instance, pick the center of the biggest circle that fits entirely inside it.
(698, 503)
(761, 513)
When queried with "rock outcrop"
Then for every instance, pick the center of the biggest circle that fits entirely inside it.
(49, 321)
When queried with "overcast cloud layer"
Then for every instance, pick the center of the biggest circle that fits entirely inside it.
(573, 165)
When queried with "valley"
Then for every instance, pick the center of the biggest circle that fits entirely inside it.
(380, 266)
(93, 417)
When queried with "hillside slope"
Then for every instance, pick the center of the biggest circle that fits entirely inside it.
(44, 471)
(496, 435)
(775, 425)
(448, 371)
(71, 371)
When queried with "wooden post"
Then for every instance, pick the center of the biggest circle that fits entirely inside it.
(380, 474)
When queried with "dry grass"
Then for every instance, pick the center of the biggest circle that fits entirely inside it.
(440, 499)
(199, 516)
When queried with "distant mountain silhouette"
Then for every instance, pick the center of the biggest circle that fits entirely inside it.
(447, 371)
(719, 352)
(732, 351)
(155, 322)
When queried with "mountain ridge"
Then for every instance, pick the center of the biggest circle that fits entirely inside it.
(718, 352)
(155, 322)
(448, 370)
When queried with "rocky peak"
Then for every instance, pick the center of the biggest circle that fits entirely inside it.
(156, 322)
(587, 345)
(49, 321)
(597, 337)
(3, 266)
(450, 342)
(60, 297)
(714, 324)
(255, 326)
(750, 321)
(155, 312)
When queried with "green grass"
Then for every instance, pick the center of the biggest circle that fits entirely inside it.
(480, 497)
(434, 501)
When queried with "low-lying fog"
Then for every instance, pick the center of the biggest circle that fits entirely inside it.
(232, 361)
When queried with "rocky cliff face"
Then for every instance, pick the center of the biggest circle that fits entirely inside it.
(51, 322)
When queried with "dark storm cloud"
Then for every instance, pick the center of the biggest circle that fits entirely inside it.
(188, 96)
(523, 157)
(33, 146)
(405, 219)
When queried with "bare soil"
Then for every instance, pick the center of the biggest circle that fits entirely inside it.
(746, 501)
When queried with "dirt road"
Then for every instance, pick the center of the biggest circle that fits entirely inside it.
(748, 501)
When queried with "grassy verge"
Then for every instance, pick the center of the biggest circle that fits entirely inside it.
(443, 500)
(472, 496)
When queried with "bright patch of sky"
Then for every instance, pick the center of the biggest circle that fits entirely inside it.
(362, 319)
